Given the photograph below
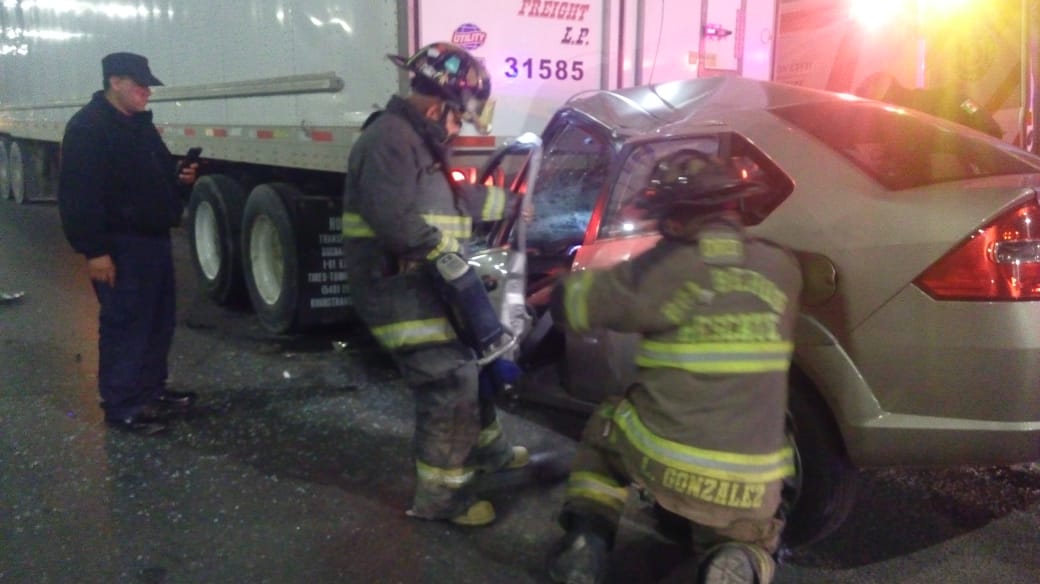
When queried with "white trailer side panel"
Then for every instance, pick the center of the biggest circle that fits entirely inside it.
(209, 54)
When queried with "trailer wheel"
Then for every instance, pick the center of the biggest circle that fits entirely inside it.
(21, 174)
(5, 170)
(214, 231)
(270, 257)
(820, 496)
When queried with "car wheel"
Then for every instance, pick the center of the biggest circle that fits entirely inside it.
(269, 256)
(214, 227)
(821, 494)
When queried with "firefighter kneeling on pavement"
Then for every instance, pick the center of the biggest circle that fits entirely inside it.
(403, 223)
(702, 430)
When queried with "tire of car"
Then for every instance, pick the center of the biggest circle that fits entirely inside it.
(214, 232)
(821, 495)
(269, 256)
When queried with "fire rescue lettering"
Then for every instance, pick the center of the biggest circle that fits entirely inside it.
(725, 280)
(719, 492)
(550, 9)
(740, 327)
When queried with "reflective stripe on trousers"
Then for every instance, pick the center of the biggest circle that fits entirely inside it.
(716, 464)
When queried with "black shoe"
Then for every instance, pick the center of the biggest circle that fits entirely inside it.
(580, 558)
(146, 421)
(177, 401)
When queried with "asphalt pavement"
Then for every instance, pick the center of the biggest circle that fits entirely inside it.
(295, 467)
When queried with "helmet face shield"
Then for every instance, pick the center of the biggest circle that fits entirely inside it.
(479, 114)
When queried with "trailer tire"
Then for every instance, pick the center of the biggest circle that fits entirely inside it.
(23, 180)
(214, 232)
(269, 256)
(33, 171)
(5, 169)
(821, 495)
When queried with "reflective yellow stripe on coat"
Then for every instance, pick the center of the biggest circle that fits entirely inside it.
(414, 332)
(575, 291)
(717, 464)
(452, 228)
(494, 204)
(715, 357)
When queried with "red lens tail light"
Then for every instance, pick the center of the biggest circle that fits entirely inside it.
(1000, 261)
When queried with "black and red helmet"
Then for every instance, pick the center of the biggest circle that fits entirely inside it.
(453, 74)
(695, 182)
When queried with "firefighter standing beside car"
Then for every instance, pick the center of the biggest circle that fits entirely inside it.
(702, 429)
(402, 217)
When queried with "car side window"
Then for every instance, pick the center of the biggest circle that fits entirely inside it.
(624, 214)
(570, 181)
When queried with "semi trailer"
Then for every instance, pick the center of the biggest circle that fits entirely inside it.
(275, 92)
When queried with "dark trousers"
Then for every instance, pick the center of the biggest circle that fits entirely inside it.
(136, 324)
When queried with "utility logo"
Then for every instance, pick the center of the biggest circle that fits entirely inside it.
(468, 36)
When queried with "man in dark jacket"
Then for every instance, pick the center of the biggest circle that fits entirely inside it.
(119, 195)
(401, 214)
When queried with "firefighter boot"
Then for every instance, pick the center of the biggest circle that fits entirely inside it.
(582, 554)
(477, 514)
(737, 563)
(521, 458)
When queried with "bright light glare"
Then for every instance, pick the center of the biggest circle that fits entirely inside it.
(942, 6)
(876, 14)
(342, 24)
(114, 10)
(53, 35)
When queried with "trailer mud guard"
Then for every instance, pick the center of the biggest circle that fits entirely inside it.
(293, 259)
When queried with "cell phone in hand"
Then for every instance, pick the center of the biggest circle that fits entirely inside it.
(192, 156)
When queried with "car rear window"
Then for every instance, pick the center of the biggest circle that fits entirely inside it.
(901, 151)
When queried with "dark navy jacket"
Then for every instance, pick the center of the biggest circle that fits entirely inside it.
(117, 177)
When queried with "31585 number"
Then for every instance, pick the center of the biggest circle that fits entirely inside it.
(561, 69)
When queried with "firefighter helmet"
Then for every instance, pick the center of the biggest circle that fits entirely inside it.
(694, 182)
(453, 74)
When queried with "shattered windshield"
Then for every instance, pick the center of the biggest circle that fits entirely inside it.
(571, 178)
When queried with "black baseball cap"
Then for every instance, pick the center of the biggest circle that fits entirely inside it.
(131, 65)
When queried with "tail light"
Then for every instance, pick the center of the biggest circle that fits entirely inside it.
(1000, 261)
(468, 174)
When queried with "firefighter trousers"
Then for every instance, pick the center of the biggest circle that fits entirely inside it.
(601, 473)
(457, 432)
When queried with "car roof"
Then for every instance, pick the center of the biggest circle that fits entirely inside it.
(677, 105)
